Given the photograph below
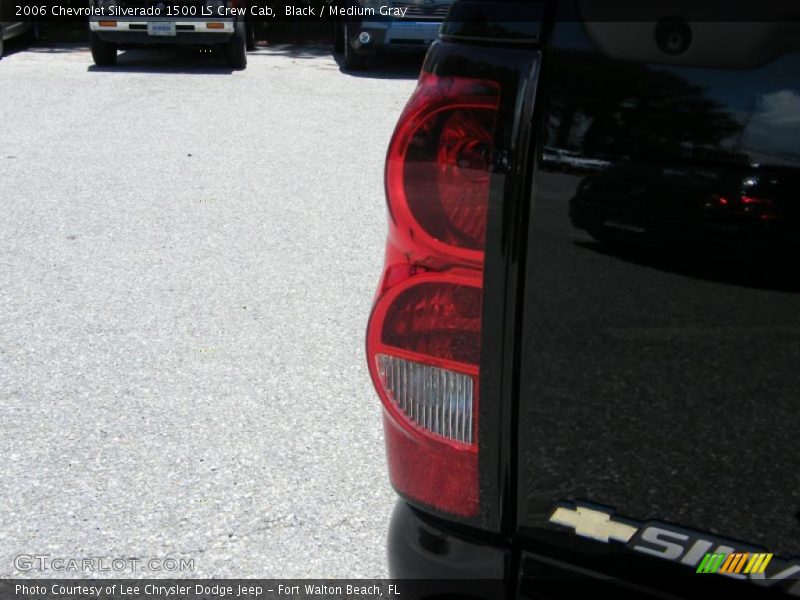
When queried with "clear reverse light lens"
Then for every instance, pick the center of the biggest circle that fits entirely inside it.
(437, 400)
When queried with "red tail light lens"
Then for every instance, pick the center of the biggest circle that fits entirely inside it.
(439, 165)
(423, 340)
(436, 319)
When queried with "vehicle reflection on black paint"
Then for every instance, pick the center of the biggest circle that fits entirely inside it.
(561, 159)
(740, 222)
(683, 175)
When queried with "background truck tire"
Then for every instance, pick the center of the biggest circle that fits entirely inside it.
(1, 41)
(103, 53)
(236, 48)
(251, 36)
(338, 38)
(34, 34)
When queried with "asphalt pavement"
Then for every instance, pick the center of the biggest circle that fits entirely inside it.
(188, 257)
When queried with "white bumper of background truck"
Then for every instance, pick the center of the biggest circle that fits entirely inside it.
(111, 24)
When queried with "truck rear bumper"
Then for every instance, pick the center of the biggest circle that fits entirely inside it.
(420, 549)
(188, 31)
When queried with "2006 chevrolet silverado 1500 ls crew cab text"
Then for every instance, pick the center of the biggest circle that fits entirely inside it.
(589, 376)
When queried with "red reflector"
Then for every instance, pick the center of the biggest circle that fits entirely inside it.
(432, 473)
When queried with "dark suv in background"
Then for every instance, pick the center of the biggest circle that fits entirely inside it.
(585, 336)
(379, 26)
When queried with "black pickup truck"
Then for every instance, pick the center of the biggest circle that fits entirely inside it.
(586, 336)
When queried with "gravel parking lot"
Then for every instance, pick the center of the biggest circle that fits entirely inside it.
(187, 262)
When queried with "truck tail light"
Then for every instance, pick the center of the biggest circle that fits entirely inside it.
(753, 207)
(423, 338)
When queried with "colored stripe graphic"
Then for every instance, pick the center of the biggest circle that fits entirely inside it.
(758, 563)
(734, 563)
(711, 563)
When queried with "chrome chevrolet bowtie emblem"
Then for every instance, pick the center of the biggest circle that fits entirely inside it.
(592, 523)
